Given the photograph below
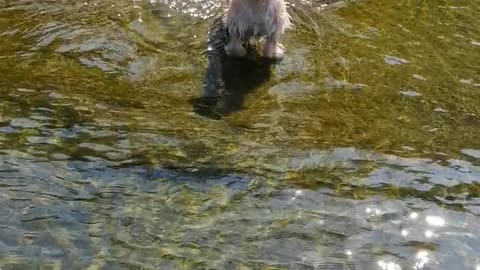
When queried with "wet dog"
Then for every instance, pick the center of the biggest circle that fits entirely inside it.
(228, 80)
(249, 20)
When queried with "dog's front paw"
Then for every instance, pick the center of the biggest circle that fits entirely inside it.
(274, 51)
(236, 49)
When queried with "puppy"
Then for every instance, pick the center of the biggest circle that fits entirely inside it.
(248, 20)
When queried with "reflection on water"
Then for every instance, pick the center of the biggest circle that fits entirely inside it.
(226, 91)
(360, 150)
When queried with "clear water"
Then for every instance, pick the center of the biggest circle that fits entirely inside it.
(359, 151)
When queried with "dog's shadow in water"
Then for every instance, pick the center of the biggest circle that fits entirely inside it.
(228, 81)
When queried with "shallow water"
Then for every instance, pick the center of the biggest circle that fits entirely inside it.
(360, 150)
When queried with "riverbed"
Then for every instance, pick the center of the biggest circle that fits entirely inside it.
(360, 150)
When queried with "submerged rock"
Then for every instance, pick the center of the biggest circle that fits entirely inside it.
(292, 90)
(475, 43)
(465, 81)
(419, 77)
(331, 84)
(440, 110)
(410, 93)
(96, 147)
(394, 61)
(26, 90)
(471, 152)
(24, 123)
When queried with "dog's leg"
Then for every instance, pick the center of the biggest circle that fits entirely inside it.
(235, 47)
(273, 49)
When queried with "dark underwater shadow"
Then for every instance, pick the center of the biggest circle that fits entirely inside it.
(228, 80)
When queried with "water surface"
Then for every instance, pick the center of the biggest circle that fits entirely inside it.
(360, 150)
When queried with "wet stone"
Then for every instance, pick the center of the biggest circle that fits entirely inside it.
(96, 147)
(41, 140)
(394, 61)
(410, 93)
(419, 77)
(99, 133)
(476, 43)
(465, 81)
(292, 90)
(116, 155)
(8, 130)
(41, 118)
(100, 107)
(55, 95)
(25, 90)
(89, 45)
(24, 123)
(333, 84)
(341, 61)
(60, 156)
(471, 152)
(82, 108)
(296, 61)
(96, 62)
(440, 110)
